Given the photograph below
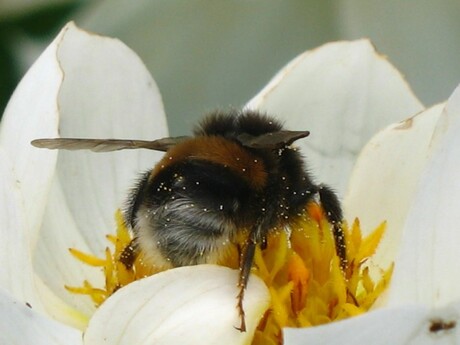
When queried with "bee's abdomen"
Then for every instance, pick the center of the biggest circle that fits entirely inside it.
(189, 209)
(183, 233)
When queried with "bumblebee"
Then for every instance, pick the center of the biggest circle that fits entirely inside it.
(237, 173)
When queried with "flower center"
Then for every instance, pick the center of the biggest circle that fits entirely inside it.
(299, 266)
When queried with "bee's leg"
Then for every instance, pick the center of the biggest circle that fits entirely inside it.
(129, 255)
(246, 261)
(331, 206)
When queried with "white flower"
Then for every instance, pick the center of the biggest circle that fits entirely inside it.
(90, 86)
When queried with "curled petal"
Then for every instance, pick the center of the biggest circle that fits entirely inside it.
(106, 93)
(385, 178)
(342, 93)
(187, 305)
(429, 247)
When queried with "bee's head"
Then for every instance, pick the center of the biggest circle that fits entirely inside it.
(252, 129)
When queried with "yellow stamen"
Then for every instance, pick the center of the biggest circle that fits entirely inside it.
(300, 268)
(87, 258)
(299, 275)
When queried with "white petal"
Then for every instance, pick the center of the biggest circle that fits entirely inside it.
(20, 324)
(408, 325)
(342, 93)
(106, 93)
(385, 178)
(52, 260)
(33, 112)
(427, 270)
(16, 272)
(187, 305)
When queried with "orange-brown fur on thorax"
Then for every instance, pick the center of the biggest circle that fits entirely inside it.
(220, 151)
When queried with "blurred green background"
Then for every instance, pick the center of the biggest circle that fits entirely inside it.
(218, 53)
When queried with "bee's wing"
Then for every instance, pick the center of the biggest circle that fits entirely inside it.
(107, 145)
(272, 140)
